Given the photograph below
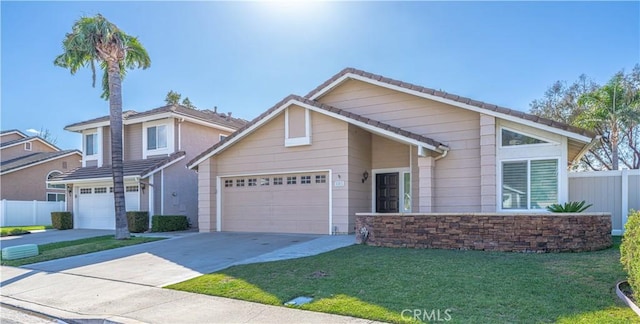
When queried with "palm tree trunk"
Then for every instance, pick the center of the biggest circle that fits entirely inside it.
(614, 145)
(115, 118)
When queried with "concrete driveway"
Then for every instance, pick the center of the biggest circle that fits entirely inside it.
(174, 259)
(51, 235)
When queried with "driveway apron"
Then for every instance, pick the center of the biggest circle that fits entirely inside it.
(174, 259)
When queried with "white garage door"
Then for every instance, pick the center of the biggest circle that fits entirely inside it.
(290, 203)
(96, 207)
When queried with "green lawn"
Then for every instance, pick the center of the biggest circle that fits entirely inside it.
(65, 249)
(17, 230)
(468, 286)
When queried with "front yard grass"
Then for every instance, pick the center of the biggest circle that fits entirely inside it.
(65, 249)
(17, 230)
(468, 286)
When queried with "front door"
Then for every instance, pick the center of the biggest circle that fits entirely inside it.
(387, 192)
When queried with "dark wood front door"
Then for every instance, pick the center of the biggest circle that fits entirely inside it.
(387, 192)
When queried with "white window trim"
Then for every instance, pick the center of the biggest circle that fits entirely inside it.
(28, 146)
(297, 141)
(47, 180)
(509, 147)
(98, 149)
(401, 193)
(561, 195)
(222, 137)
(55, 193)
(170, 138)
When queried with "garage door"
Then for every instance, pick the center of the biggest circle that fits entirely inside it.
(96, 207)
(290, 203)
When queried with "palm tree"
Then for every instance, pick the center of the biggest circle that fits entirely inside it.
(610, 110)
(95, 40)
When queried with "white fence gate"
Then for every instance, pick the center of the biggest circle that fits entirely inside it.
(615, 192)
(18, 213)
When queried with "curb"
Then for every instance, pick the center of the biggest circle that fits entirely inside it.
(626, 299)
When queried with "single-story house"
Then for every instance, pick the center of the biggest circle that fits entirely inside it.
(362, 142)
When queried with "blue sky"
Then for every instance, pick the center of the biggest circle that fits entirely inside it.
(245, 56)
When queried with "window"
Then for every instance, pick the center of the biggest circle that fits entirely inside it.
(223, 137)
(100, 190)
(531, 184)
(110, 189)
(56, 196)
(264, 181)
(252, 182)
(91, 144)
(84, 191)
(228, 183)
(321, 179)
(305, 179)
(64, 164)
(510, 138)
(277, 181)
(292, 180)
(156, 137)
(406, 206)
(27, 146)
(130, 189)
(240, 183)
(52, 175)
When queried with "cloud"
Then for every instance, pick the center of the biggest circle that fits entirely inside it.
(33, 131)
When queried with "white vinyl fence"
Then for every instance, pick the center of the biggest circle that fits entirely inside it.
(615, 192)
(17, 213)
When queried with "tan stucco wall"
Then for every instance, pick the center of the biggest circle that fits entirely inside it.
(30, 183)
(457, 177)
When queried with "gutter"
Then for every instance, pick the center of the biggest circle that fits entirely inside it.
(444, 153)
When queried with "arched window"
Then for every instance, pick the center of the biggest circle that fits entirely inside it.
(50, 176)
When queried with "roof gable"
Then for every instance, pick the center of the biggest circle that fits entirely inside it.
(12, 131)
(366, 123)
(452, 99)
(28, 139)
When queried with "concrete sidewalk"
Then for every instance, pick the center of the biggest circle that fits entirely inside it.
(76, 297)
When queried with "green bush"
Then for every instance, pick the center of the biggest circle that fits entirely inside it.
(62, 220)
(569, 207)
(169, 223)
(138, 221)
(630, 252)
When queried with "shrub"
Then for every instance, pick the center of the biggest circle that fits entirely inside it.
(569, 207)
(630, 252)
(62, 220)
(138, 221)
(169, 223)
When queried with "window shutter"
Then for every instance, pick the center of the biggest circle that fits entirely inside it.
(514, 185)
(544, 183)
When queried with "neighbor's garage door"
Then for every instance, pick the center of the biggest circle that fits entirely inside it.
(290, 203)
(96, 209)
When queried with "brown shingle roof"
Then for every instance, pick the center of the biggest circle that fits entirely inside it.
(33, 158)
(131, 168)
(464, 100)
(204, 115)
(328, 108)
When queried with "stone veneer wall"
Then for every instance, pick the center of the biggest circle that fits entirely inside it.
(488, 231)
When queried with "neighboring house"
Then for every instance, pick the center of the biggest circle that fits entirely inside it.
(27, 162)
(157, 143)
(365, 143)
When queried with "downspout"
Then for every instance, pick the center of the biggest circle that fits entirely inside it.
(444, 153)
(180, 121)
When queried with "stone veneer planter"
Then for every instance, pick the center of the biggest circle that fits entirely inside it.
(532, 232)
